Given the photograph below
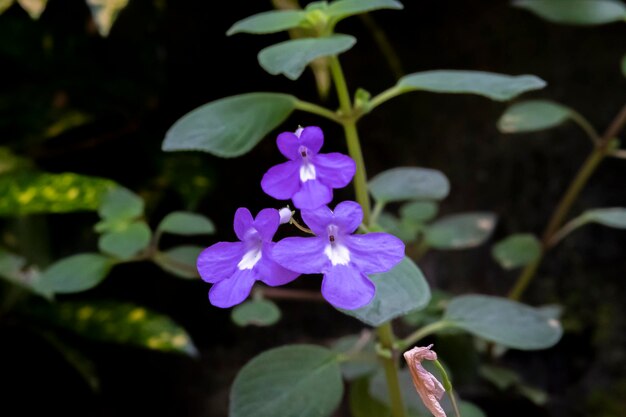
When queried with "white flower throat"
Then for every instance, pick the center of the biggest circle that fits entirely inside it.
(307, 169)
(337, 253)
(254, 250)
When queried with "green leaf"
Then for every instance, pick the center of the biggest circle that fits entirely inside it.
(268, 22)
(461, 231)
(361, 402)
(532, 115)
(290, 58)
(504, 379)
(398, 291)
(5, 4)
(289, 381)
(419, 211)
(76, 273)
(429, 314)
(10, 162)
(576, 12)
(341, 9)
(494, 86)
(610, 217)
(121, 323)
(105, 13)
(10, 265)
(127, 242)
(29, 193)
(624, 65)
(503, 321)
(398, 184)
(362, 359)
(516, 251)
(404, 229)
(180, 261)
(187, 224)
(230, 126)
(121, 204)
(256, 313)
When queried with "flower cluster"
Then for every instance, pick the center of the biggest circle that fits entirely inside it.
(345, 259)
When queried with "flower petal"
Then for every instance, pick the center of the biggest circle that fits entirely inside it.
(219, 261)
(312, 194)
(346, 287)
(288, 144)
(318, 220)
(266, 223)
(348, 215)
(301, 254)
(313, 138)
(233, 290)
(243, 222)
(272, 273)
(375, 252)
(282, 181)
(334, 169)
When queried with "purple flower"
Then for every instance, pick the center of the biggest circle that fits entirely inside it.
(233, 267)
(342, 257)
(308, 178)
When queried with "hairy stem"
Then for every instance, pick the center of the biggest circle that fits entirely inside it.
(600, 151)
(421, 333)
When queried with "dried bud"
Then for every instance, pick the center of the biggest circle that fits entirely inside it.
(427, 386)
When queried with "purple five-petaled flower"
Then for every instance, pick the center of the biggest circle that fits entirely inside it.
(344, 259)
(233, 267)
(308, 178)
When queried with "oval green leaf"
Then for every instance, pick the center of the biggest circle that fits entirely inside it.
(398, 292)
(75, 273)
(419, 211)
(361, 357)
(576, 12)
(230, 126)
(532, 115)
(516, 251)
(290, 58)
(341, 9)
(179, 261)
(494, 86)
(296, 380)
(460, 231)
(256, 313)
(268, 22)
(503, 321)
(610, 217)
(121, 323)
(30, 193)
(127, 242)
(121, 204)
(186, 224)
(398, 184)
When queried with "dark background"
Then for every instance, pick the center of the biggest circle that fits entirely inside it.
(164, 58)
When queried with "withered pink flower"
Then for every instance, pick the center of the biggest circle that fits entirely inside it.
(427, 386)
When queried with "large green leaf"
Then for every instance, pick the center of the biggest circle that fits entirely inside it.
(362, 359)
(290, 58)
(341, 9)
(517, 250)
(494, 86)
(230, 126)
(187, 224)
(127, 241)
(268, 22)
(398, 291)
(419, 211)
(461, 231)
(256, 313)
(29, 193)
(610, 217)
(398, 184)
(532, 115)
(576, 12)
(121, 204)
(116, 322)
(289, 381)
(180, 261)
(503, 321)
(76, 273)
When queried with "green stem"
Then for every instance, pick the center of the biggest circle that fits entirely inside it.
(421, 333)
(390, 365)
(602, 149)
(385, 96)
(318, 110)
(384, 332)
